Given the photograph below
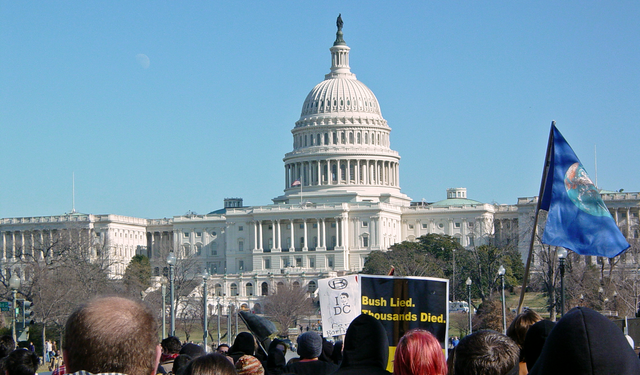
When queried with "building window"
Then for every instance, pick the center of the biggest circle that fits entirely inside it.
(365, 224)
(249, 289)
(241, 265)
(214, 248)
(301, 241)
(240, 245)
(298, 261)
(214, 233)
(312, 286)
(315, 225)
(424, 226)
(312, 262)
(333, 225)
(198, 234)
(265, 289)
(457, 225)
(240, 228)
(285, 262)
(470, 224)
(186, 234)
(301, 226)
(365, 241)
(199, 250)
(234, 289)
(410, 226)
(330, 261)
(218, 289)
(267, 263)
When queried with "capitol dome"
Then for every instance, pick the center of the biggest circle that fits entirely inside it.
(341, 145)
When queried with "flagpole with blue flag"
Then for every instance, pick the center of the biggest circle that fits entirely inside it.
(577, 217)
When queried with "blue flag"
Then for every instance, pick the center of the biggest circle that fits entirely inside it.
(578, 218)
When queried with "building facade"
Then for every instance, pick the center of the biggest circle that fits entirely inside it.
(342, 199)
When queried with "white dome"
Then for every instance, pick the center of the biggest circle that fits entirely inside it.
(340, 95)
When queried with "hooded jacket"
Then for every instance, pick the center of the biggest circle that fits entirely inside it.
(366, 348)
(585, 342)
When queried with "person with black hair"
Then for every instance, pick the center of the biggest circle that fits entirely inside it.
(210, 364)
(486, 352)
(21, 362)
(170, 350)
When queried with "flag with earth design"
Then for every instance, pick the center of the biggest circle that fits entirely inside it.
(577, 217)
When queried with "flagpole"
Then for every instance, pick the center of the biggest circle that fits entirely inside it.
(545, 172)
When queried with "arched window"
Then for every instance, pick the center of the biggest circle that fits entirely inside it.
(257, 309)
(312, 286)
(218, 289)
(234, 289)
(296, 284)
(358, 138)
(265, 289)
(280, 286)
(249, 289)
(351, 138)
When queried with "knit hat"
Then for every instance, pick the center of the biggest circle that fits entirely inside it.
(309, 345)
(249, 365)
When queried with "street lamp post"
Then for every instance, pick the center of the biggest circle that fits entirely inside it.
(171, 259)
(164, 308)
(14, 284)
(501, 272)
(219, 312)
(562, 255)
(453, 290)
(205, 277)
(469, 282)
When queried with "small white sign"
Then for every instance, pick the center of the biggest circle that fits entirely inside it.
(339, 303)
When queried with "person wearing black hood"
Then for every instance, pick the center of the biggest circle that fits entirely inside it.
(366, 348)
(244, 344)
(586, 342)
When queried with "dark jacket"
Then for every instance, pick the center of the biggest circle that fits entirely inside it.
(275, 362)
(585, 342)
(366, 348)
(316, 367)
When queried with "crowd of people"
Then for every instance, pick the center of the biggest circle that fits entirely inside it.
(118, 336)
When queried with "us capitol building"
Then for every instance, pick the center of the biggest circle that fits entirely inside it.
(342, 200)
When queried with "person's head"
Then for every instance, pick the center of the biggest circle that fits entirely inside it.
(180, 364)
(586, 342)
(171, 345)
(244, 343)
(112, 334)
(518, 328)
(309, 345)
(419, 352)
(222, 349)
(366, 344)
(486, 352)
(7, 345)
(533, 343)
(21, 362)
(192, 350)
(249, 365)
(344, 297)
(210, 364)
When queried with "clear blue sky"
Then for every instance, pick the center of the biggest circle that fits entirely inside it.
(469, 89)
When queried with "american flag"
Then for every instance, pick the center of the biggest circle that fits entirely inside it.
(296, 183)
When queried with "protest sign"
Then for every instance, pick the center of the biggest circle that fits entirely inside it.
(339, 303)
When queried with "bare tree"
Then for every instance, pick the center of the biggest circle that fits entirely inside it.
(287, 305)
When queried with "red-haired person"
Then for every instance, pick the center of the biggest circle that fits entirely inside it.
(419, 353)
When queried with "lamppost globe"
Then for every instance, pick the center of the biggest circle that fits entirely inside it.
(14, 282)
(468, 282)
(562, 253)
(171, 259)
(501, 271)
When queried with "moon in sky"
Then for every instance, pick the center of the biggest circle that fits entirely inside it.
(143, 60)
